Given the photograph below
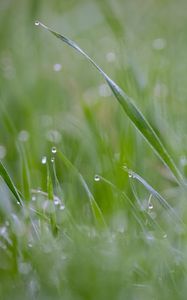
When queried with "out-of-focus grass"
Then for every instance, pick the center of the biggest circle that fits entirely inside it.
(56, 246)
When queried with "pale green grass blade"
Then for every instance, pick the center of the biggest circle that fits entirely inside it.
(94, 206)
(4, 174)
(152, 191)
(49, 185)
(131, 110)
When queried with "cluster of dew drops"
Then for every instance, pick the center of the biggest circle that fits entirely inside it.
(44, 158)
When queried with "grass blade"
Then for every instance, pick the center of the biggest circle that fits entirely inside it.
(94, 206)
(152, 191)
(4, 174)
(135, 115)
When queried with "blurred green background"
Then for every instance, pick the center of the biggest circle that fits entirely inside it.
(51, 97)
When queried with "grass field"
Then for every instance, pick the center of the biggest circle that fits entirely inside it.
(93, 165)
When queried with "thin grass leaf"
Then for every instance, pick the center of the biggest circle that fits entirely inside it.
(152, 191)
(94, 206)
(25, 173)
(49, 185)
(161, 199)
(4, 174)
(135, 115)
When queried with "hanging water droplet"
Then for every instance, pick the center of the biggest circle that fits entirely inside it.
(150, 205)
(18, 202)
(52, 159)
(54, 150)
(62, 207)
(33, 198)
(97, 178)
(44, 160)
(56, 201)
(37, 23)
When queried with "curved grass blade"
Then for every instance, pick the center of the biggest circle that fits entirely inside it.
(152, 191)
(4, 174)
(148, 187)
(94, 206)
(134, 114)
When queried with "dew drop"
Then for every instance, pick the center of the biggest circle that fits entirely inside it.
(37, 23)
(97, 178)
(52, 159)
(57, 67)
(110, 57)
(130, 175)
(53, 150)
(56, 201)
(44, 160)
(29, 245)
(62, 207)
(23, 136)
(165, 236)
(33, 198)
(150, 206)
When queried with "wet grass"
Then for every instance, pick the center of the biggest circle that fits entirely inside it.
(88, 210)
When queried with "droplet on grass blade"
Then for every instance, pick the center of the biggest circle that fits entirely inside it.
(62, 207)
(110, 57)
(97, 178)
(150, 205)
(52, 159)
(53, 150)
(37, 23)
(44, 160)
(57, 67)
(56, 201)
(33, 198)
(23, 136)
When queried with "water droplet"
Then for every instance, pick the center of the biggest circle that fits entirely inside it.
(53, 136)
(44, 160)
(62, 207)
(56, 201)
(52, 159)
(150, 205)
(110, 57)
(24, 268)
(37, 23)
(57, 67)
(18, 203)
(130, 175)
(165, 236)
(29, 245)
(54, 150)
(33, 198)
(23, 135)
(97, 178)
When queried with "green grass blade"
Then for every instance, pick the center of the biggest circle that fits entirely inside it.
(94, 206)
(4, 174)
(49, 185)
(135, 115)
(161, 199)
(152, 191)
